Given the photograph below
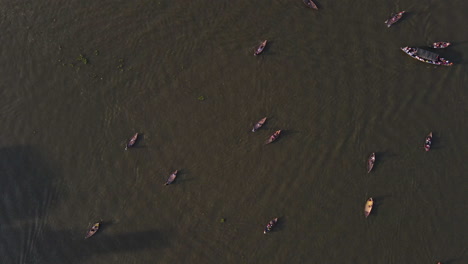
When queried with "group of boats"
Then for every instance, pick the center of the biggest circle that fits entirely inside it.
(418, 53)
(370, 165)
(132, 142)
(273, 137)
(260, 48)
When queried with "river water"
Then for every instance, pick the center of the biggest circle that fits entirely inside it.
(79, 78)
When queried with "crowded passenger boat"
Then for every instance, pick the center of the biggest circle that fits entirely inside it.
(426, 56)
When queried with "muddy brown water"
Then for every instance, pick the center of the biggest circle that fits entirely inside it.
(79, 78)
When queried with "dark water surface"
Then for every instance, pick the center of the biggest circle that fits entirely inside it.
(333, 80)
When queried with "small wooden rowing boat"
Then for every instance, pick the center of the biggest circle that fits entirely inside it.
(273, 137)
(310, 4)
(259, 124)
(440, 45)
(368, 207)
(92, 230)
(132, 141)
(270, 225)
(171, 178)
(426, 56)
(260, 48)
(428, 142)
(370, 162)
(394, 18)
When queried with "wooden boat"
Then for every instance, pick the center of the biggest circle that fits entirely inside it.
(428, 142)
(370, 162)
(92, 230)
(440, 45)
(260, 48)
(273, 137)
(259, 124)
(426, 56)
(171, 178)
(394, 18)
(132, 141)
(310, 4)
(368, 207)
(270, 225)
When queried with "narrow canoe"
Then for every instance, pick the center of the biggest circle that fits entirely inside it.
(370, 162)
(311, 4)
(273, 137)
(92, 230)
(394, 18)
(428, 142)
(270, 225)
(171, 178)
(368, 207)
(260, 48)
(440, 45)
(132, 141)
(259, 124)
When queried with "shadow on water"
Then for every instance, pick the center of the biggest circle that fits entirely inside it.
(181, 177)
(408, 15)
(378, 201)
(75, 249)
(437, 142)
(382, 157)
(281, 224)
(29, 192)
(26, 184)
(450, 261)
(451, 55)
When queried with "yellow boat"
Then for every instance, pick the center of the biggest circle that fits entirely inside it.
(368, 207)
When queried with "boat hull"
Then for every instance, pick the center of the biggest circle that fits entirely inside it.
(270, 225)
(413, 53)
(92, 230)
(259, 50)
(132, 141)
(370, 162)
(273, 137)
(440, 45)
(171, 178)
(428, 142)
(394, 18)
(310, 4)
(259, 124)
(368, 207)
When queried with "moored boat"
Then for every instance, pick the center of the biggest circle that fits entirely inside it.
(310, 4)
(370, 162)
(428, 142)
(394, 18)
(440, 45)
(132, 141)
(270, 225)
(368, 207)
(259, 124)
(426, 56)
(273, 137)
(171, 178)
(260, 48)
(92, 230)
